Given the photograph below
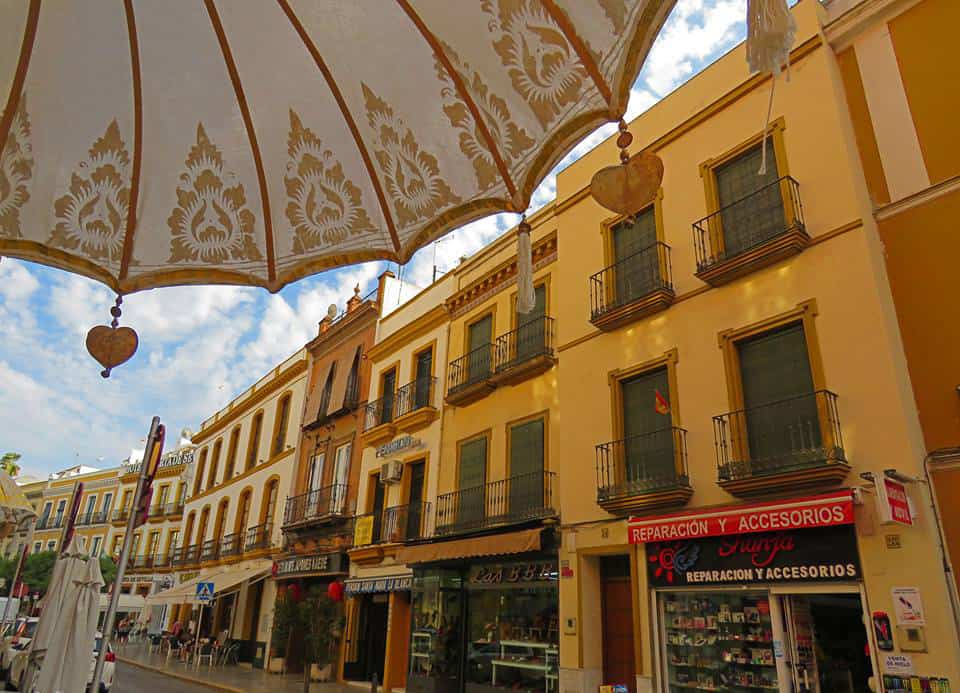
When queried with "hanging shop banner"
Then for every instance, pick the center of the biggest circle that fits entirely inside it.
(805, 555)
(396, 583)
(828, 510)
(304, 565)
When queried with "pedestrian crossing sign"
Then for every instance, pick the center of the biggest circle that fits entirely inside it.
(204, 592)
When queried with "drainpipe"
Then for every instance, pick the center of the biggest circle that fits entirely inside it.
(941, 455)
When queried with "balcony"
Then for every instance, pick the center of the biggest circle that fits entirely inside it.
(231, 546)
(50, 523)
(643, 472)
(157, 512)
(524, 352)
(638, 285)
(758, 230)
(794, 443)
(516, 500)
(469, 377)
(415, 405)
(120, 516)
(388, 530)
(258, 538)
(161, 560)
(319, 506)
(175, 510)
(186, 555)
(378, 425)
(210, 551)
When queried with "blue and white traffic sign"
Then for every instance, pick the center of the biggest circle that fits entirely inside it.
(204, 592)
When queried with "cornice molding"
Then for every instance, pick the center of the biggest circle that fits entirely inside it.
(245, 406)
(412, 330)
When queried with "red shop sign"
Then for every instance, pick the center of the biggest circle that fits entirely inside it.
(897, 506)
(828, 510)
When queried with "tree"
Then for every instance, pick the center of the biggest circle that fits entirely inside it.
(37, 570)
(7, 566)
(8, 463)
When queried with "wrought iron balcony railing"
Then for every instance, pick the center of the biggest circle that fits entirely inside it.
(416, 395)
(258, 537)
(405, 522)
(379, 412)
(50, 523)
(514, 500)
(231, 545)
(158, 510)
(321, 504)
(764, 215)
(121, 515)
(529, 340)
(211, 550)
(633, 278)
(161, 560)
(186, 555)
(101, 517)
(174, 509)
(473, 367)
(641, 464)
(788, 435)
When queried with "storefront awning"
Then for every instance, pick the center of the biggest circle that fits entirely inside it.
(492, 545)
(223, 579)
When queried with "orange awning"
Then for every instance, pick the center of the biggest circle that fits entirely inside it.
(492, 545)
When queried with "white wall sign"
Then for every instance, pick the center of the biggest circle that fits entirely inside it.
(897, 664)
(908, 606)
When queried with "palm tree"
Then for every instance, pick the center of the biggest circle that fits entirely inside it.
(8, 463)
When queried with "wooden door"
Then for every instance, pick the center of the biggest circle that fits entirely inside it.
(415, 500)
(617, 622)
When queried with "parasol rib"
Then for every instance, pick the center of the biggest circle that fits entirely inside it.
(347, 116)
(586, 59)
(251, 134)
(461, 88)
(20, 76)
(137, 140)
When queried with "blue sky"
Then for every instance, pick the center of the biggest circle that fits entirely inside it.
(200, 346)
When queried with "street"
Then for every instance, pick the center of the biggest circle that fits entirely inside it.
(131, 679)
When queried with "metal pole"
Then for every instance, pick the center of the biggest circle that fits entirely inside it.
(16, 573)
(124, 555)
(196, 638)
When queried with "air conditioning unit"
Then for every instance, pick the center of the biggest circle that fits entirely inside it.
(390, 472)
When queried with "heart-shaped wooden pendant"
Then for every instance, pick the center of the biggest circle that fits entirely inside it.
(111, 346)
(629, 187)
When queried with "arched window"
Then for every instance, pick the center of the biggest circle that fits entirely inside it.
(243, 512)
(188, 528)
(269, 509)
(201, 466)
(253, 447)
(202, 527)
(281, 421)
(232, 455)
(220, 526)
(214, 463)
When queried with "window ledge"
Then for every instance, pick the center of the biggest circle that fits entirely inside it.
(824, 474)
(379, 434)
(641, 307)
(416, 419)
(723, 271)
(522, 370)
(638, 503)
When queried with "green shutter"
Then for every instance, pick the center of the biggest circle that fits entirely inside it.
(479, 338)
(780, 407)
(471, 505)
(526, 468)
(424, 374)
(637, 270)
(530, 338)
(648, 447)
(752, 206)
(630, 238)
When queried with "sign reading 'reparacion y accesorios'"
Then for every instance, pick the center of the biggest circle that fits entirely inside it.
(829, 510)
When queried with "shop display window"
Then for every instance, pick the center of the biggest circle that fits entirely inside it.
(513, 639)
(435, 634)
(718, 642)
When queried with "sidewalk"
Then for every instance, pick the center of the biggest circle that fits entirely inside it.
(233, 679)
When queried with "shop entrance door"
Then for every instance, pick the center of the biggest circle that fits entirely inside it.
(617, 621)
(372, 631)
(828, 643)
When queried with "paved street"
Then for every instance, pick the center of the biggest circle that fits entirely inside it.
(131, 679)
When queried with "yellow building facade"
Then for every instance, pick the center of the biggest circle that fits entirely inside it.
(243, 464)
(733, 353)
(93, 518)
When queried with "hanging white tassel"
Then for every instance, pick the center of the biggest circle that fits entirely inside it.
(771, 31)
(526, 299)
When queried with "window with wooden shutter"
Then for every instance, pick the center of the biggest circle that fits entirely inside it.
(479, 338)
(648, 448)
(424, 377)
(751, 204)
(531, 327)
(780, 408)
(388, 386)
(526, 468)
(472, 477)
(637, 264)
